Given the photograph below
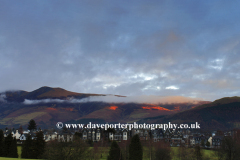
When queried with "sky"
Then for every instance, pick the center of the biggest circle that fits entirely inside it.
(184, 48)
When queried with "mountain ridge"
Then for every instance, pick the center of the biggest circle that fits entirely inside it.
(45, 92)
(222, 113)
(49, 105)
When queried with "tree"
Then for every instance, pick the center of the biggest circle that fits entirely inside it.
(32, 125)
(20, 129)
(33, 149)
(202, 143)
(7, 145)
(114, 152)
(162, 151)
(182, 153)
(1, 143)
(208, 144)
(124, 146)
(95, 152)
(78, 149)
(13, 149)
(64, 129)
(75, 150)
(39, 144)
(10, 147)
(104, 143)
(149, 145)
(198, 153)
(77, 134)
(27, 148)
(229, 148)
(135, 148)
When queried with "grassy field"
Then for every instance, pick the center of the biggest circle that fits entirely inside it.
(206, 153)
(2, 158)
(209, 153)
(19, 148)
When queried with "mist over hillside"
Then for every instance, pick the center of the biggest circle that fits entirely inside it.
(50, 105)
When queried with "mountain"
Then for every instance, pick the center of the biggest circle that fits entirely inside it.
(219, 115)
(47, 106)
(45, 93)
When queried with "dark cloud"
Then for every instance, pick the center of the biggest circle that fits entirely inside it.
(165, 48)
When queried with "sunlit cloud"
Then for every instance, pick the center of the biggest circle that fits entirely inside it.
(172, 87)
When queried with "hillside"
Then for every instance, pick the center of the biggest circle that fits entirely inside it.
(220, 114)
(45, 93)
(51, 105)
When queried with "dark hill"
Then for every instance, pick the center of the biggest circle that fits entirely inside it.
(45, 93)
(220, 114)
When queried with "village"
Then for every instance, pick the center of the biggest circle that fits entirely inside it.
(176, 138)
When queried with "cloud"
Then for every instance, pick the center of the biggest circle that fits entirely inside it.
(3, 97)
(49, 100)
(115, 99)
(30, 102)
(128, 48)
(172, 87)
(145, 99)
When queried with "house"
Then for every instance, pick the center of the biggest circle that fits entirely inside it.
(176, 138)
(23, 137)
(144, 134)
(91, 134)
(125, 134)
(110, 135)
(98, 135)
(50, 136)
(84, 134)
(192, 141)
(167, 135)
(217, 141)
(157, 135)
(118, 135)
(65, 137)
(6, 133)
(210, 141)
(16, 134)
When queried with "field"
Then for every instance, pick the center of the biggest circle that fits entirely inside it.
(208, 153)
(2, 158)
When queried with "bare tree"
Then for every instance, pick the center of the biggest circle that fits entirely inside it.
(162, 151)
(75, 150)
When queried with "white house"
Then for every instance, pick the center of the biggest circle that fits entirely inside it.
(50, 136)
(16, 134)
(125, 135)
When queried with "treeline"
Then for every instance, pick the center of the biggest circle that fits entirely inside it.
(33, 148)
(133, 150)
(8, 146)
(78, 149)
(34, 145)
(230, 148)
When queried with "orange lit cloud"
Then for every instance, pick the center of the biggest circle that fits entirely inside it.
(145, 99)
(156, 107)
(113, 108)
